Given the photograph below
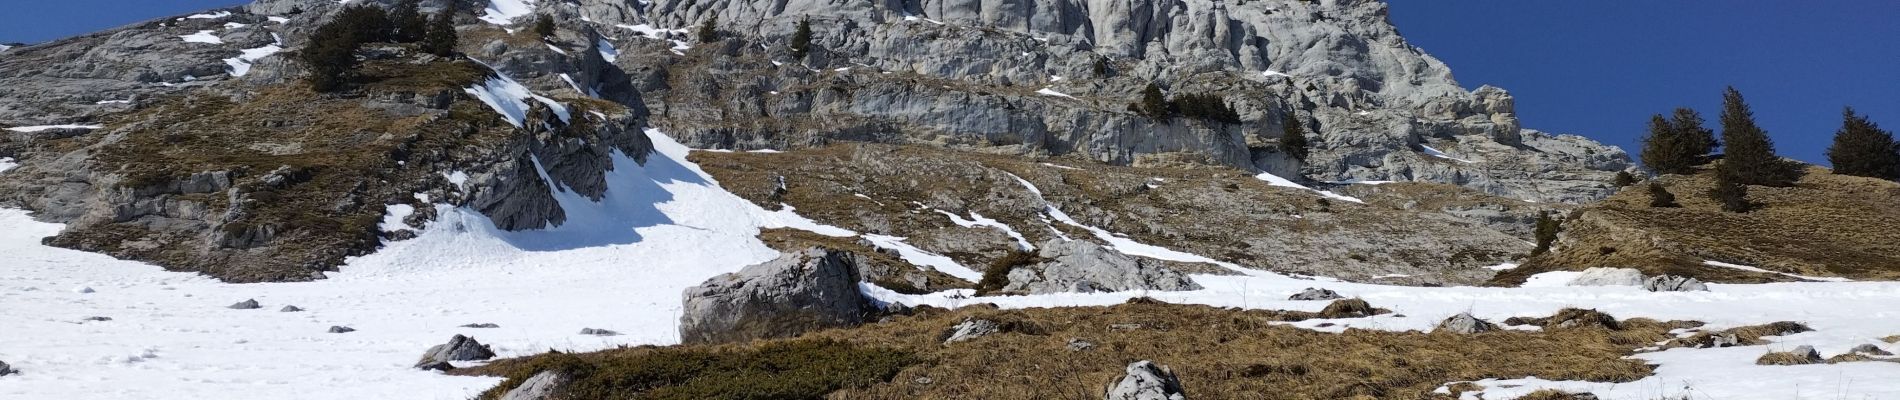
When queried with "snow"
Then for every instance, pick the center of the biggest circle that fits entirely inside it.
(41, 128)
(504, 12)
(7, 163)
(920, 257)
(1276, 180)
(1125, 245)
(125, 101)
(577, 87)
(241, 64)
(1272, 74)
(1503, 267)
(1435, 153)
(279, 20)
(977, 220)
(556, 49)
(458, 178)
(1059, 166)
(215, 15)
(1053, 92)
(1713, 263)
(607, 50)
(658, 33)
(203, 37)
(509, 98)
(234, 25)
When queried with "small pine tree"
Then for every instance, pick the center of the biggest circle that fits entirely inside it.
(1730, 193)
(1749, 157)
(1546, 233)
(410, 25)
(1698, 141)
(1293, 138)
(709, 30)
(801, 39)
(1153, 103)
(331, 52)
(1663, 149)
(441, 37)
(1861, 148)
(1660, 196)
(1623, 179)
(544, 25)
(365, 23)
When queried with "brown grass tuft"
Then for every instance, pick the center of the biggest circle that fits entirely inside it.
(1783, 358)
(1348, 308)
(1554, 394)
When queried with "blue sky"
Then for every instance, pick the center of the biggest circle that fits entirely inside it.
(1593, 68)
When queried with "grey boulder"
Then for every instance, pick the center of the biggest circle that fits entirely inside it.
(798, 292)
(483, 325)
(341, 329)
(6, 369)
(1672, 283)
(1609, 277)
(541, 386)
(1146, 381)
(290, 309)
(598, 332)
(246, 305)
(1083, 267)
(972, 329)
(459, 348)
(1311, 294)
(1871, 350)
(1465, 323)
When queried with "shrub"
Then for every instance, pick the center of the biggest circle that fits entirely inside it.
(1153, 103)
(798, 369)
(1546, 233)
(544, 25)
(1660, 197)
(1206, 106)
(801, 39)
(1293, 138)
(1731, 194)
(331, 54)
(996, 276)
(709, 30)
(1623, 179)
(441, 36)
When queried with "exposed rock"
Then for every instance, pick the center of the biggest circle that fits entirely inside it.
(290, 309)
(1085, 267)
(598, 332)
(1799, 356)
(341, 329)
(799, 292)
(435, 366)
(245, 305)
(1146, 381)
(83, 290)
(99, 319)
(1672, 283)
(1077, 344)
(1870, 349)
(459, 348)
(1580, 318)
(1609, 277)
(483, 325)
(541, 386)
(971, 329)
(1711, 340)
(1314, 294)
(6, 369)
(1465, 323)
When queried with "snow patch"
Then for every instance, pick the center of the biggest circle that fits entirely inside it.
(1276, 180)
(977, 220)
(215, 15)
(42, 128)
(509, 98)
(7, 163)
(1435, 153)
(203, 37)
(1053, 92)
(241, 64)
(920, 257)
(1713, 263)
(504, 12)
(607, 50)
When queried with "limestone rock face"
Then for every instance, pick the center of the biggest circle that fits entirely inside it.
(798, 292)
(1085, 267)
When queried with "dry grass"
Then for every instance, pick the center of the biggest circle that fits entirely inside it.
(1744, 336)
(1218, 353)
(1554, 394)
(1828, 225)
(875, 266)
(1891, 339)
(1783, 358)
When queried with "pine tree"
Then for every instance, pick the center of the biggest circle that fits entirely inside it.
(441, 37)
(1623, 179)
(1660, 196)
(709, 30)
(364, 23)
(1861, 148)
(801, 39)
(1293, 138)
(1730, 193)
(1698, 141)
(1153, 104)
(331, 52)
(410, 25)
(1546, 233)
(1665, 151)
(1749, 157)
(544, 25)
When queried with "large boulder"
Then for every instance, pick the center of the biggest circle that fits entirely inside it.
(1465, 323)
(1609, 277)
(798, 292)
(1147, 381)
(1672, 283)
(459, 348)
(541, 386)
(1314, 294)
(1083, 267)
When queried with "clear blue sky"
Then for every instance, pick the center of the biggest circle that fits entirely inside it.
(1593, 68)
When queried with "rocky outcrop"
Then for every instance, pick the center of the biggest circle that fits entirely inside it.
(1315, 294)
(1146, 381)
(971, 329)
(250, 304)
(1672, 283)
(1609, 277)
(542, 386)
(796, 293)
(1465, 324)
(1085, 267)
(459, 348)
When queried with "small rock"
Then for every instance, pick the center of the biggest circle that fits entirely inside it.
(290, 309)
(435, 366)
(459, 348)
(341, 329)
(100, 319)
(1465, 323)
(6, 369)
(83, 290)
(924, 380)
(541, 386)
(1146, 381)
(1124, 327)
(972, 329)
(483, 325)
(1315, 294)
(1870, 349)
(246, 305)
(598, 332)
(1077, 344)
(1672, 283)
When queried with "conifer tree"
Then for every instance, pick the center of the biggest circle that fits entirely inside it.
(1153, 104)
(1698, 141)
(1546, 233)
(801, 39)
(1623, 179)
(709, 30)
(410, 25)
(441, 34)
(1861, 148)
(544, 25)
(1729, 192)
(1293, 138)
(1665, 151)
(331, 53)
(1749, 156)
(1660, 196)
